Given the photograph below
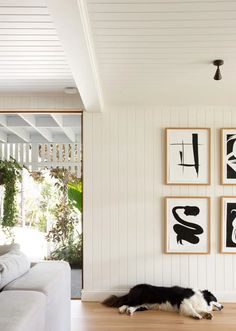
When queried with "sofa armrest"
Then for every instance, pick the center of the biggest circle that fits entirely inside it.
(52, 278)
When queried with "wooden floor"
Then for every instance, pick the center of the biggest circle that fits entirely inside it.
(95, 317)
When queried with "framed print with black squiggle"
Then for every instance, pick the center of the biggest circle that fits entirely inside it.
(228, 225)
(187, 225)
(188, 156)
(228, 156)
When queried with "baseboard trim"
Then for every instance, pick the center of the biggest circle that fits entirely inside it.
(100, 295)
(96, 295)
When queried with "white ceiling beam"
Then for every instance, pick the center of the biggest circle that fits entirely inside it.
(21, 133)
(68, 131)
(31, 120)
(73, 31)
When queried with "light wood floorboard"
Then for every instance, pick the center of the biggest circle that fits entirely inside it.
(92, 316)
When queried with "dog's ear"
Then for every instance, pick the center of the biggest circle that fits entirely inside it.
(208, 296)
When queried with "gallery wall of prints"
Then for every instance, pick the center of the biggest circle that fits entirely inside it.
(125, 185)
(188, 162)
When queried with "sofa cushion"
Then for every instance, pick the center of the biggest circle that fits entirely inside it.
(22, 311)
(12, 265)
(9, 248)
(52, 278)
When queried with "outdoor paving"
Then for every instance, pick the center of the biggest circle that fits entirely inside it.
(76, 283)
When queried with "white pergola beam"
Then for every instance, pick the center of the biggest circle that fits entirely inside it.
(3, 136)
(16, 121)
(21, 133)
(68, 131)
(71, 121)
(31, 120)
(72, 27)
(3, 120)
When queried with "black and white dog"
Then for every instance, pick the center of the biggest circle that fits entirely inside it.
(188, 302)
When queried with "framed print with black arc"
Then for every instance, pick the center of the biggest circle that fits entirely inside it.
(187, 225)
(188, 156)
(228, 156)
(228, 225)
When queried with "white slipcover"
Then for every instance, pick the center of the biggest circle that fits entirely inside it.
(22, 311)
(52, 278)
(12, 265)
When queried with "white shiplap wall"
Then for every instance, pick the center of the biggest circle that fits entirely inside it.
(26, 102)
(123, 203)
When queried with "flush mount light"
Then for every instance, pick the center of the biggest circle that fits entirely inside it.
(218, 63)
(70, 90)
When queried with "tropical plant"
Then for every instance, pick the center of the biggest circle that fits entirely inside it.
(63, 234)
(75, 194)
(10, 173)
(70, 252)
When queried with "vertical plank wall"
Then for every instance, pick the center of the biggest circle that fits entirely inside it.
(55, 102)
(123, 203)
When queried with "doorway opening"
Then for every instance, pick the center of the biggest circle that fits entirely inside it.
(48, 149)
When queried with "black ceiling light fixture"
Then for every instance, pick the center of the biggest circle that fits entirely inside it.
(218, 63)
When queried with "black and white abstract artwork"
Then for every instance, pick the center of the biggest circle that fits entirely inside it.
(188, 156)
(187, 225)
(228, 225)
(228, 156)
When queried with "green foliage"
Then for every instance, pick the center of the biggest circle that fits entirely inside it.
(70, 252)
(67, 246)
(64, 227)
(75, 194)
(10, 173)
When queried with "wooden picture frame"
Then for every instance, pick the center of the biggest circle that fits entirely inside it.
(228, 168)
(188, 156)
(179, 237)
(228, 225)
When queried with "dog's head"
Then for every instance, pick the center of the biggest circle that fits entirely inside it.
(212, 301)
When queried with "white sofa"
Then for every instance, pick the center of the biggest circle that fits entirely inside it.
(39, 300)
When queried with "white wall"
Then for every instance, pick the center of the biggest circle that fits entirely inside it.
(123, 203)
(40, 102)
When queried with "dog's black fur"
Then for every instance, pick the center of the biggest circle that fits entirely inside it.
(144, 293)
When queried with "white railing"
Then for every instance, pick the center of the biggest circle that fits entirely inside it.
(38, 156)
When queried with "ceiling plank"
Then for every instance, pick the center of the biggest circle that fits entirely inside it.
(30, 119)
(17, 3)
(68, 131)
(73, 31)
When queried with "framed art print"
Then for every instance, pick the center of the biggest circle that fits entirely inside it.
(187, 225)
(188, 156)
(228, 156)
(228, 225)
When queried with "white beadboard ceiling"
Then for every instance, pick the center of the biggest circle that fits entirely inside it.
(32, 58)
(120, 52)
(161, 51)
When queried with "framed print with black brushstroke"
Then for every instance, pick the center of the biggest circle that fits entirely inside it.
(187, 225)
(228, 156)
(188, 156)
(228, 225)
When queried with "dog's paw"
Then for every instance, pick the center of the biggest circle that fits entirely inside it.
(123, 309)
(208, 316)
(130, 311)
(197, 317)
